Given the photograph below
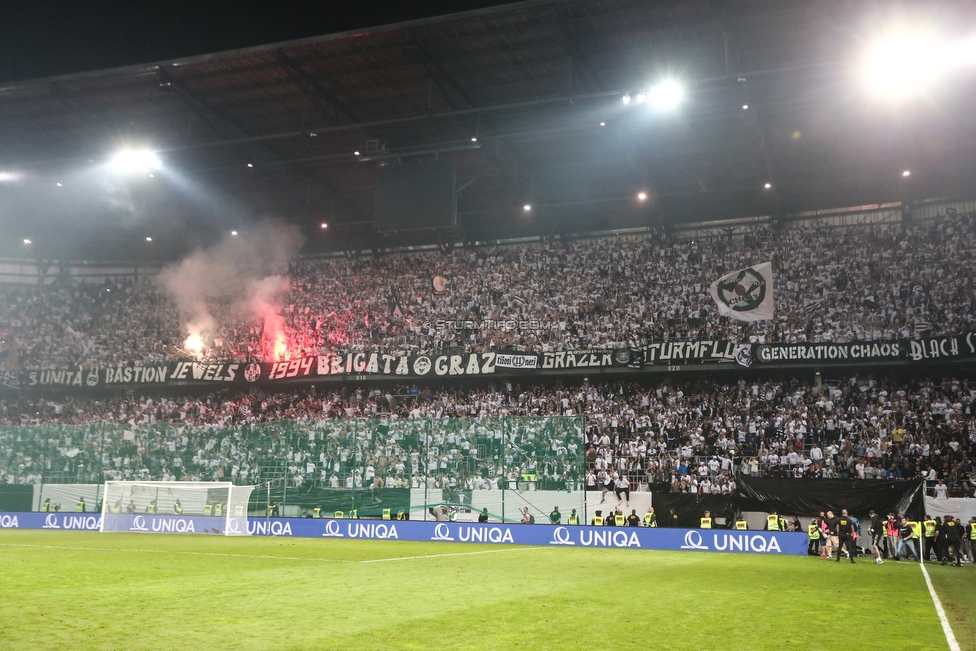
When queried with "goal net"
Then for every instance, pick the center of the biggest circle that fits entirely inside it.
(175, 507)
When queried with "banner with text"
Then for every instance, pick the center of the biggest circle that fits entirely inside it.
(659, 356)
(707, 540)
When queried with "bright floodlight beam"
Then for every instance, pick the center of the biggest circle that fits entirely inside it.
(135, 161)
(666, 95)
(904, 62)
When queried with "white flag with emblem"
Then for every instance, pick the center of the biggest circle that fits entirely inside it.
(745, 294)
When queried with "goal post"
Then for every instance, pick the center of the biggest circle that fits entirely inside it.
(175, 507)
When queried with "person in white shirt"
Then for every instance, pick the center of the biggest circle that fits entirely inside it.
(941, 491)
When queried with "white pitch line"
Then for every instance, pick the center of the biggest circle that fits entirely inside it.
(950, 637)
(167, 551)
(409, 558)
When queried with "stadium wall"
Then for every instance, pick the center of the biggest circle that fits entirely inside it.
(757, 542)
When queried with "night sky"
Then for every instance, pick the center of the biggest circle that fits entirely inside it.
(42, 38)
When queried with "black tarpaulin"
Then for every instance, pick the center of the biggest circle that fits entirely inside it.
(810, 496)
(691, 507)
(799, 497)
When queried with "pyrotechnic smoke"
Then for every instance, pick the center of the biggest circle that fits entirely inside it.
(243, 277)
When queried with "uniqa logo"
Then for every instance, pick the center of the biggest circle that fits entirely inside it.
(693, 540)
(173, 525)
(745, 543)
(139, 524)
(593, 537)
(363, 530)
(442, 532)
(51, 522)
(87, 523)
(485, 534)
(561, 536)
(260, 528)
(9, 522)
(332, 530)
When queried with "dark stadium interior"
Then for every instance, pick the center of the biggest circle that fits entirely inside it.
(530, 81)
(199, 320)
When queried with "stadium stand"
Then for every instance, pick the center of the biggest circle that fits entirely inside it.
(835, 284)
(684, 437)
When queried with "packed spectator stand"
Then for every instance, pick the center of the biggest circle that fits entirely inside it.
(686, 437)
(835, 284)
(869, 281)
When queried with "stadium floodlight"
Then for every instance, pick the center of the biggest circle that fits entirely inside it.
(324, 225)
(640, 97)
(906, 173)
(603, 124)
(527, 207)
(768, 185)
(135, 161)
(175, 507)
(233, 232)
(8, 176)
(149, 239)
(666, 95)
(250, 164)
(745, 107)
(26, 241)
(906, 62)
(58, 184)
(626, 98)
(641, 196)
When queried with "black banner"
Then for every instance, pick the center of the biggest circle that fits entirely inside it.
(668, 353)
(929, 349)
(653, 357)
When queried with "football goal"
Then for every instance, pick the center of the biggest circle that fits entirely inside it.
(175, 507)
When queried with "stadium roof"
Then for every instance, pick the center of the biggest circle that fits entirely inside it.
(524, 98)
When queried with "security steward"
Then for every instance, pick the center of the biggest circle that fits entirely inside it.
(813, 538)
(953, 535)
(928, 529)
(633, 520)
(555, 517)
(573, 518)
(845, 535)
(741, 524)
(772, 522)
(177, 508)
(46, 507)
(80, 506)
(597, 519)
(706, 520)
(650, 518)
(618, 519)
(916, 536)
(317, 512)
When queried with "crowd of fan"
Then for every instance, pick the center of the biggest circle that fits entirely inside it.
(692, 437)
(831, 284)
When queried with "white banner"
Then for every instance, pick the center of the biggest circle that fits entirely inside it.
(516, 361)
(745, 294)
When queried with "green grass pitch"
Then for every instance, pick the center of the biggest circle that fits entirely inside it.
(73, 591)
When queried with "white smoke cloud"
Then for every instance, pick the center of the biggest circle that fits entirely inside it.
(242, 277)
